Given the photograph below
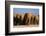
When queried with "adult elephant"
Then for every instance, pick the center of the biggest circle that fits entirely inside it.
(26, 19)
(36, 20)
(17, 20)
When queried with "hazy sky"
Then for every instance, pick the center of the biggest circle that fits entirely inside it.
(26, 10)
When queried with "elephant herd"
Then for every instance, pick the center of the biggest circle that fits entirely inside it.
(26, 19)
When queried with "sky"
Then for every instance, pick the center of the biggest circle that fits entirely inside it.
(26, 10)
